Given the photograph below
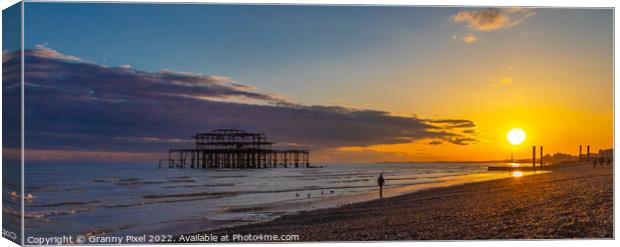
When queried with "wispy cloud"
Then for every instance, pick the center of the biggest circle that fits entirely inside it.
(491, 19)
(46, 52)
(504, 80)
(452, 123)
(469, 38)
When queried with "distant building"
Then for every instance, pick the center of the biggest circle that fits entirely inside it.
(607, 153)
(559, 158)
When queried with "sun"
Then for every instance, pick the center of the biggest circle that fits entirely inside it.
(516, 136)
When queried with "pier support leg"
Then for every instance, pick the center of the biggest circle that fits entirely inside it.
(541, 156)
(533, 156)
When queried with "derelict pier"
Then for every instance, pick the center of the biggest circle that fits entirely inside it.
(234, 149)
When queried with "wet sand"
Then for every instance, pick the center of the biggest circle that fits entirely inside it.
(573, 201)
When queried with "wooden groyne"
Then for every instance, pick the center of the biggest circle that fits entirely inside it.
(234, 149)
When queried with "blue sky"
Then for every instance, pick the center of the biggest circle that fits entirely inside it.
(293, 49)
(274, 48)
(228, 39)
(11, 26)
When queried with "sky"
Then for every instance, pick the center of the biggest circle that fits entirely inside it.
(121, 82)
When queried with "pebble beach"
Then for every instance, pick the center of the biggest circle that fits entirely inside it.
(572, 201)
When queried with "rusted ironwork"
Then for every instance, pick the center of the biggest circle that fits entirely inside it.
(234, 149)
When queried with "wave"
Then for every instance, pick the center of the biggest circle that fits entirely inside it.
(202, 194)
(105, 180)
(349, 181)
(107, 229)
(11, 211)
(180, 177)
(138, 181)
(229, 176)
(181, 181)
(334, 175)
(199, 185)
(16, 196)
(67, 203)
(159, 202)
(49, 213)
(153, 182)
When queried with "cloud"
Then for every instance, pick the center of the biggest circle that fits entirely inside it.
(75, 107)
(456, 131)
(469, 131)
(491, 19)
(452, 123)
(44, 52)
(505, 80)
(435, 142)
(463, 140)
(469, 38)
(84, 81)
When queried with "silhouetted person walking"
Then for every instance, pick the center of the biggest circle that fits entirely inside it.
(381, 182)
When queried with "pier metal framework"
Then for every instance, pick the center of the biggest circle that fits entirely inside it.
(234, 149)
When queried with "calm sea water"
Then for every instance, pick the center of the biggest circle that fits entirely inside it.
(143, 199)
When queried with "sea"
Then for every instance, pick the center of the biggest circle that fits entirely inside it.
(120, 200)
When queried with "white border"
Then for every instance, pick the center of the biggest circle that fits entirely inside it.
(550, 3)
(547, 3)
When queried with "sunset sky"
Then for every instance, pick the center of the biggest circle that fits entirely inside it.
(352, 84)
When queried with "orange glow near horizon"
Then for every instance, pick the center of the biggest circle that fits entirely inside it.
(559, 103)
(558, 130)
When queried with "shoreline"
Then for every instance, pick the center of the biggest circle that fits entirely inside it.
(465, 211)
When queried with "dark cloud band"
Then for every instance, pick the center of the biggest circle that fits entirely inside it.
(76, 105)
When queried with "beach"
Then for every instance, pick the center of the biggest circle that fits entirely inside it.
(572, 201)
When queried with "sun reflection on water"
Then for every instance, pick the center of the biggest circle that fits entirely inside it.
(516, 174)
